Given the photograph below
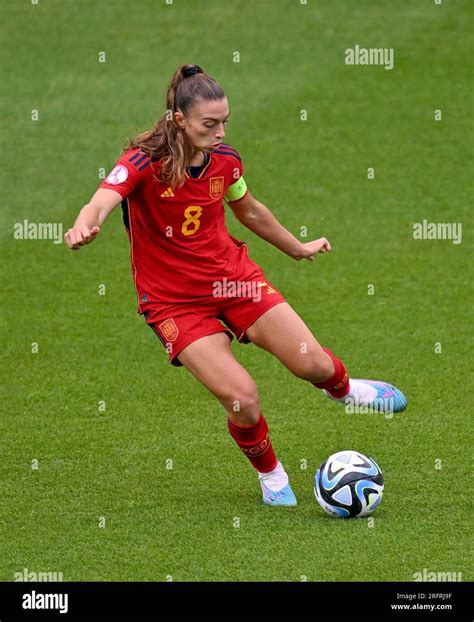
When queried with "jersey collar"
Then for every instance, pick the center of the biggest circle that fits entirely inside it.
(203, 172)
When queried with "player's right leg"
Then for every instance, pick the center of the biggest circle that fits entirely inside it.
(211, 361)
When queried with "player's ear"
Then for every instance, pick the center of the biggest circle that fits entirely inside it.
(179, 119)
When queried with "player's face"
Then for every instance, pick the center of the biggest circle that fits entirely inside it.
(204, 124)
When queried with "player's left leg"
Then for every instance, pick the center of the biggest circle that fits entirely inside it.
(211, 360)
(281, 331)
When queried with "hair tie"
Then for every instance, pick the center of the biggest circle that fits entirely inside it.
(190, 71)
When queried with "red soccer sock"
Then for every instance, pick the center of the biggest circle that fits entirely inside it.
(338, 384)
(254, 441)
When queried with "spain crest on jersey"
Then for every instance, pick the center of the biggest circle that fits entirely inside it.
(169, 329)
(216, 187)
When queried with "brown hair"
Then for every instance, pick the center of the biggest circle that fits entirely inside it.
(166, 140)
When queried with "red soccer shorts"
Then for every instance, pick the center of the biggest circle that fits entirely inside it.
(238, 306)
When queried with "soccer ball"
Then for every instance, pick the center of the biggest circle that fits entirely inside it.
(348, 484)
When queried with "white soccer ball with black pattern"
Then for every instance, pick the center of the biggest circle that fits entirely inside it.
(348, 484)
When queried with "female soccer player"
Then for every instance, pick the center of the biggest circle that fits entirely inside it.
(195, 283)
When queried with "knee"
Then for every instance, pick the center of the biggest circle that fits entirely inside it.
(243, 404)
(314, 366)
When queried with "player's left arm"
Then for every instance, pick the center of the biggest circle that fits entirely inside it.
(259, 219)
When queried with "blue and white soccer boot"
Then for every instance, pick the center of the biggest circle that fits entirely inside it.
(276, 488)
(285, 496)
(365, 395)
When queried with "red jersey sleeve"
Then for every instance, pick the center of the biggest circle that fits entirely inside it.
(129, 170)
(237, 168)
(236, 187)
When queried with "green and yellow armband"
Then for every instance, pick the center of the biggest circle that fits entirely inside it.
(236, 191)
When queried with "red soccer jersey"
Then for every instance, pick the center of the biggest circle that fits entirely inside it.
(179, 241)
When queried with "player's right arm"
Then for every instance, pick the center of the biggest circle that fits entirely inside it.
(92, 215)
(131, 168)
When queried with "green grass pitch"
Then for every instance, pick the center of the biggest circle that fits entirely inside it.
(89, 492)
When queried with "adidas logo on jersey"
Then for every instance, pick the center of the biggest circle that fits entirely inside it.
(168, 193)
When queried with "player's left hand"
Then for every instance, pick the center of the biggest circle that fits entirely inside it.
(309, 249)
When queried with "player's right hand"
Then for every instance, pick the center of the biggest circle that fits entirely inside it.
(80, 235)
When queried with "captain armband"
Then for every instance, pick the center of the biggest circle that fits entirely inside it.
(236, 191)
